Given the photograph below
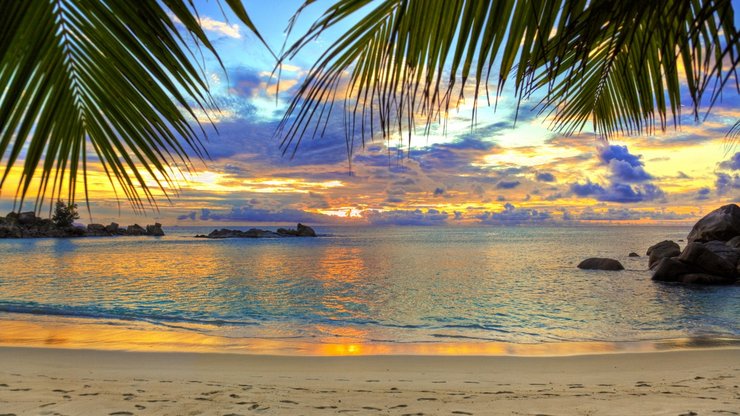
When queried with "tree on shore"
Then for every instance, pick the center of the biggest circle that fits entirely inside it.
(118, 78)
(64, 214)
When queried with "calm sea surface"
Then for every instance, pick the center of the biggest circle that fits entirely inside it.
(366, 286)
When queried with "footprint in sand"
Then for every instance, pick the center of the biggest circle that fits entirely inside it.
(460, 412)
(288, 401)
(121, 413)
(371, 408)
(140, 407)
(426, 399)
(398, 406)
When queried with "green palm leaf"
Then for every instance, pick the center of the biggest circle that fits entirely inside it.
(107, 80)
(620, 64)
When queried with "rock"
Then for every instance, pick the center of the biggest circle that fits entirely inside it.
(705, 279)
(112, 228)
(670, 269)
(633, 254)
(135, 230)
(302, 231)
(698, 255)
(662, 250)
(26, 218)
(734, 242)
(155, 230)
(599, 263)
(10, 231)
(721, 224)
(96, 230)
(305, 231)
(721, 249)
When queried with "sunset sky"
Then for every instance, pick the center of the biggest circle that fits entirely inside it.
(494, 174)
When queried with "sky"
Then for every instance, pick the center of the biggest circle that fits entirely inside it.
(493, 174)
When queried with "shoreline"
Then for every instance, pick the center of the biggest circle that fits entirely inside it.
(67, 333)
(73, 381)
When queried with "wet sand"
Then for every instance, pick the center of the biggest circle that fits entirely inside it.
(47, 381)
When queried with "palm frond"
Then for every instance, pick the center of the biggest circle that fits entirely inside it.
(114, 78)
(620, 64)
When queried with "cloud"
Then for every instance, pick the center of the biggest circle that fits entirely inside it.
(508, 184)
(439, 191)
(512, 215)
(624, 166)
(726, 183)
(406, 217)
(733, 163)
(587, 189)
(626, 214)
(216, 26)
(250, 214)
(219, 27)
(546, 177)
(702, 194)
(625, 169)
(618, 192)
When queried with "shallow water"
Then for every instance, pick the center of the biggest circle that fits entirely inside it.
(367, 286)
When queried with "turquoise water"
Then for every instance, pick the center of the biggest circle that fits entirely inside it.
(369, 285)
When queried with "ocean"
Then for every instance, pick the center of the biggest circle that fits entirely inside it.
(394, 286)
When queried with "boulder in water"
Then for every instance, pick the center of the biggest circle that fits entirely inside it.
(600, 263)
(721, 224)
(664, 249)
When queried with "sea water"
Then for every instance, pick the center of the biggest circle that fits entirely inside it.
(365, 286)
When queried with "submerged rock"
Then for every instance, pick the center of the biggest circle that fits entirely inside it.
(600, 263)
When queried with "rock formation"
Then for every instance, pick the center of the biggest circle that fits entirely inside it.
(712, 255)
(28, 225)
(599, 263)
(300, 231)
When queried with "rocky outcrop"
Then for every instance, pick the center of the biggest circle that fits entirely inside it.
(599, 263)
(712, 256)
(722, 224)
(28, 225)
(300, 231)
(664, 249)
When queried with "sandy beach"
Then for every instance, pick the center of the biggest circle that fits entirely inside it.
(46, 381)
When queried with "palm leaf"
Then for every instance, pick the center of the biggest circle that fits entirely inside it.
(620, 65)
(112, 81)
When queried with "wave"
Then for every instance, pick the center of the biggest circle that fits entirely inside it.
(33, 308)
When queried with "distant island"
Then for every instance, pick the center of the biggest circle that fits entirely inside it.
(300, 231)
(28, 225)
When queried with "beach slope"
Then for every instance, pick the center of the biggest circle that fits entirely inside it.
(75, 382)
